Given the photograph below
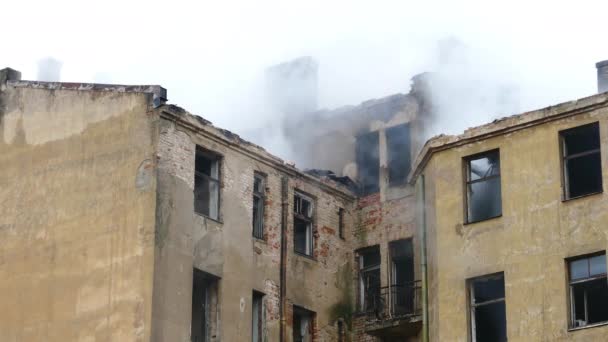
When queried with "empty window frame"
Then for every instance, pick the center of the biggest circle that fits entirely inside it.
(207, 183)
(588, 290)
(368, 162)
(369, 279)
(259, 200)
(303, 324)
(303, 210)
(398, 150)
(487, 308)
(257, 317)
(403, 286)
(582, 165)
(483, 193)
(341, 223)
(204, 291)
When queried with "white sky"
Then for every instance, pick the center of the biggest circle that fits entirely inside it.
(210, 55)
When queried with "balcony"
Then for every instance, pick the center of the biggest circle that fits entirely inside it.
(394, 311)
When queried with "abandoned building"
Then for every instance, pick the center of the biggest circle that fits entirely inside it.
(124, 218)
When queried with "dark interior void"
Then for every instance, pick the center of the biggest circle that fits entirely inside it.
(584, 175)
(399, 159)
(402, 257)
(590, 302)
(483, 187)
(368, 162)
(581, 139)
(489, 288)
(582, 160)
(491, 323)
(301, 236)
(200, 306)
(370, 278)
(489, 313)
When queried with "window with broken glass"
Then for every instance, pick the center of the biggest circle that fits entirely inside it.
(488, 310)
(302, 222)
(588, 290)
(483, 193)
(582, 164)
(259, 199)
(207, 183)
(369, 279)
(303, 321)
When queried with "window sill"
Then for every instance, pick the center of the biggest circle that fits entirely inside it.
(209, 218)
(310, 257)
(582, 196)
(483, 220)
(594, 325)
(259, 240)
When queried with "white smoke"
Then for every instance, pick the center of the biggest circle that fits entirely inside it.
(49, 69)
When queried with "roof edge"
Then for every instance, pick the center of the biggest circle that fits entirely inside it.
(505, 125)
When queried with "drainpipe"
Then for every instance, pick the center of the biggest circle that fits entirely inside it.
(423, 265)
(283, 264)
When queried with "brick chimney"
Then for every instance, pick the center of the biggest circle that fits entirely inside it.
(602, 76)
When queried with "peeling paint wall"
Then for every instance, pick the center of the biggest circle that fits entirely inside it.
(77, 194)
(529, 242)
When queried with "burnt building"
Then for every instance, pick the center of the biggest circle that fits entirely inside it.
(125, 218)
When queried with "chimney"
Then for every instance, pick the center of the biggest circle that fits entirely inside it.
(602, 76)
(8, 74)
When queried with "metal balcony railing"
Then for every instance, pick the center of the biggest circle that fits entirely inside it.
(394, 302)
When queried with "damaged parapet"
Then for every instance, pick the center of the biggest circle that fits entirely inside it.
(602, 76)
(12, 77)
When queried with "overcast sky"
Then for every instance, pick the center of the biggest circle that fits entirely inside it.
(210, 55)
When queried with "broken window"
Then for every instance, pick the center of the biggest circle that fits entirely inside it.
(341, 331)
(402, 276)
(369, 279)
(581, 160)
(588, 290)
(341, 223)
(483, 186)
(204, 288)
(303, 324)
(488, 311)
(207, 183)
(368, 162)
(257, 317)
(259, 198)
(302, 224)
(398, 146)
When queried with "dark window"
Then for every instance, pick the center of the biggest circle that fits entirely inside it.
(488, 311)
(398, 145)
(369, 279)
(582, 160)
(588, 290)
(341, 223)
(257, 317)
(483, 186)
(403, 286)
(204, 287)
(302, 222)
(341, 331)
(368, 163)
(207, 183)
(259, 199)
(303, 324)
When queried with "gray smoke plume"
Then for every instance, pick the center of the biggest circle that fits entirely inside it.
(49, 69)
